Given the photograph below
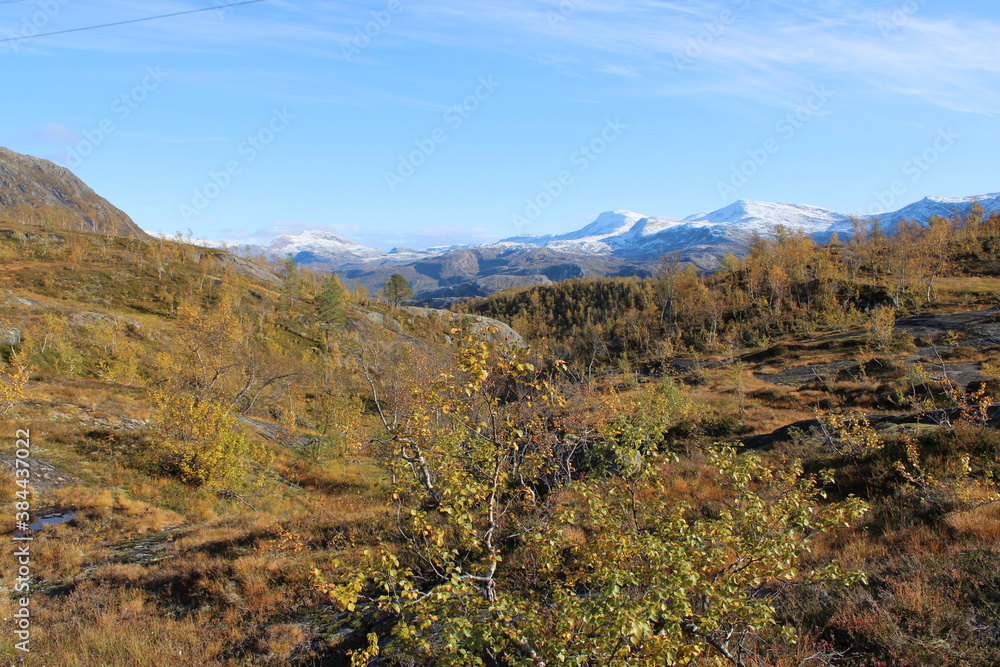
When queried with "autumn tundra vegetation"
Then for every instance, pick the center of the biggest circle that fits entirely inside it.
(772, 464)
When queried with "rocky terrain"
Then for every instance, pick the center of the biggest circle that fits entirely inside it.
(35, 190)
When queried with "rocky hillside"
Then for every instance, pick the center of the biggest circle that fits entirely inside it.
(33, 190)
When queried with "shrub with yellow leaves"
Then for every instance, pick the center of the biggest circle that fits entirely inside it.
(487, 494)
(13, 379)
(198, 443)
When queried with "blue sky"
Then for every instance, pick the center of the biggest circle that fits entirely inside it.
(427, 122)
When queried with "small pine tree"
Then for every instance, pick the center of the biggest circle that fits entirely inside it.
(396, 289)
(290, 271)
(330, 304)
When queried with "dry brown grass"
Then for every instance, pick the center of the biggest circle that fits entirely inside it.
(241, 531)
(282, 639)
(114, 511)
(215, 600)
(8, 487)
(96, 625)
(691, 481)
(336, 477)
(103, 517)
(721, 395)
(981, 524)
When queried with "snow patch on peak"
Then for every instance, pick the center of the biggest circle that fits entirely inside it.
(609, 223)
(318, 241)
(630, 235)
(756, 214)
(938, 206)
(590, 239)
(983, 199)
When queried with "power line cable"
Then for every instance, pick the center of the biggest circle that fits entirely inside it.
(147, 18)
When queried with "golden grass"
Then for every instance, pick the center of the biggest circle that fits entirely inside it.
(965, 290)
(102, 518)
(692, 481)
(280, 640)
(115, 511)
(229, 533)
(721, 395)
(981, 524)
(96, 625)
(8, 487)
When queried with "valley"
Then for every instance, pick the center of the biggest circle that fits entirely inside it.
(221, 567)
(617, 243)
(788, 461)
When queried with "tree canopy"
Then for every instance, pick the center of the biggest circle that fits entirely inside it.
(396, 289)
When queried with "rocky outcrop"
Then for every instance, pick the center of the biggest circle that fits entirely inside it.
(36, 191)
(497, 330)
(275, 432)
(879, 422)
(10, 336)
(240, 266)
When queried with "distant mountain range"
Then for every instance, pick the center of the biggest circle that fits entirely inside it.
(617, 243)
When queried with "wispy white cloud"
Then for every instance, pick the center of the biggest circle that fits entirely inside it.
(766, 52)
(619, 70)
(744, 49)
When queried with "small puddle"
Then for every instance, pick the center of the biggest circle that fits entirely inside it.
(52, 520)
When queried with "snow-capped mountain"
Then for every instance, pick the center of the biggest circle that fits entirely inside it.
(326, 249)
(632, 235)
(616, 243)
(764, 216)
(945, 207)
(310, 241)
(609, 223)
(733, 227)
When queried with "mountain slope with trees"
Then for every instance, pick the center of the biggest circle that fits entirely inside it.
(34, 191)
(788, 285)
(253, 463)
